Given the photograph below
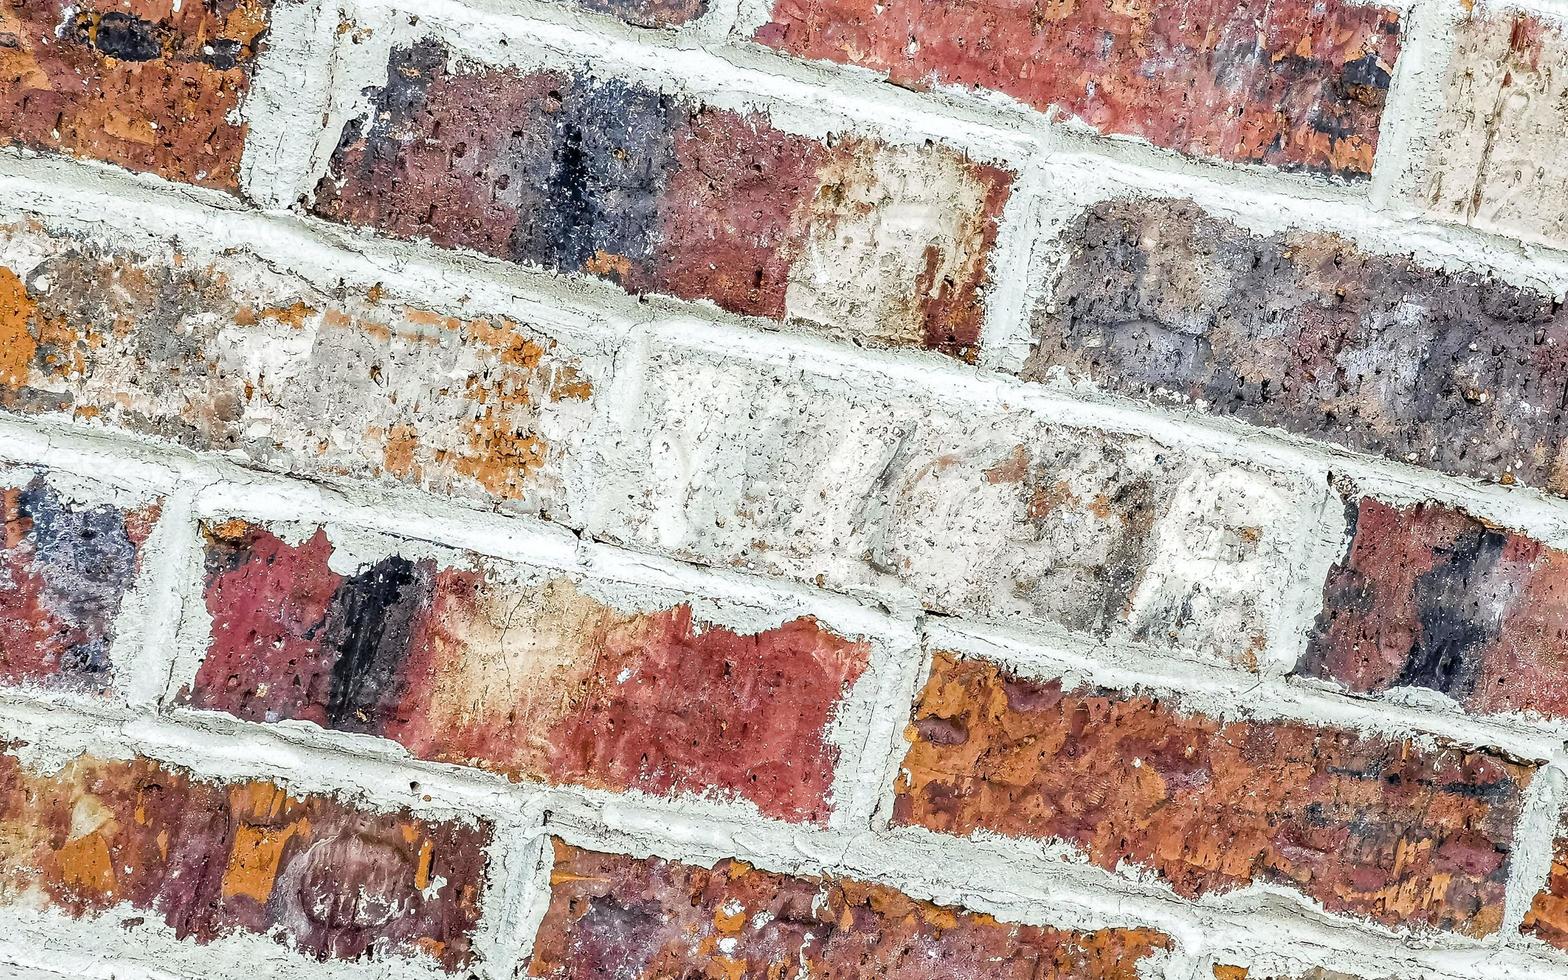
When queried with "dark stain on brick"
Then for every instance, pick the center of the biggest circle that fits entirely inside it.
(369, 626)
(655, 193)
(1294, 84)
(1456, 371)
(615, 916)
(1428, 596)
(65, 569)
(1369, 825)
(151, 89)
(214, 859)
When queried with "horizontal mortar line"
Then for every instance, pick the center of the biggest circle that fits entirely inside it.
(224, 487)
(1520, 507)
(1246, 695)
(683, 829)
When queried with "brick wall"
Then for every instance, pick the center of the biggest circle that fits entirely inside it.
(783, 489)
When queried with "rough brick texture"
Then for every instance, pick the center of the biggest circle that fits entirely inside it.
(660, 194)
(979, 511)
(152, 85)
(1548, 915)
(530, 679)
(211, 859)
(1505, 104)
(1293, 84)
(1304, 331)
(648, 13)
(65, 569)
(1405, 835)
(645, 919)
(222, 353)
(1428, 596)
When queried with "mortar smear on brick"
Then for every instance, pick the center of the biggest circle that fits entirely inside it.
(658, 193)
(1412, 837)
(1428, 596)
(979, 510)
(531, 679)
(1295, 84)
(222, 353)
(644, 919)
(151, 85)
(213, 859)
(1302, 330)
(1493, 161)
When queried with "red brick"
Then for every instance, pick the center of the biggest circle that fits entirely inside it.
(1299, 84)
(65, 569)
(1380, 827)
(1548, 915)
(1428, 596)
(532, 680)
(215, 859)
(151, 85)
(645, 919)
(666, 195)
(649, 13)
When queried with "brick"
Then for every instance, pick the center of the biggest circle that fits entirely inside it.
(212, 859)
(222, 353)
(1299, 85)
(1389, 829)
(649, 13)
(658, 193)
(978, 510)
(65, 569)
(1429, 596)
(1304, 331)
(151, 85)
(643, 919)
(477, 666)
(1491, 163)
(1548, 916)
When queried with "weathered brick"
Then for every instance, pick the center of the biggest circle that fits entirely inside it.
(214, 859)
(661, 194)
(649, 13)
(65, 569)
(221, 352)
(979, 510)
(1304, 331)
(478, 666)
(152, 85)
(1428, 596)
(1404, 834)
(642, 919)
(1493, 161)
(1296, 84)
(1548, 915)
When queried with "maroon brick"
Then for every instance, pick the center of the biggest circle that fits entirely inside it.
(65, 568)
(666, 195)
(649, 13)
(1457, 371)
(539, 681)
(1385, 828)
(1299, 84)
(210, 860)
(151, 85)
(614, 916)
(1428, 596)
